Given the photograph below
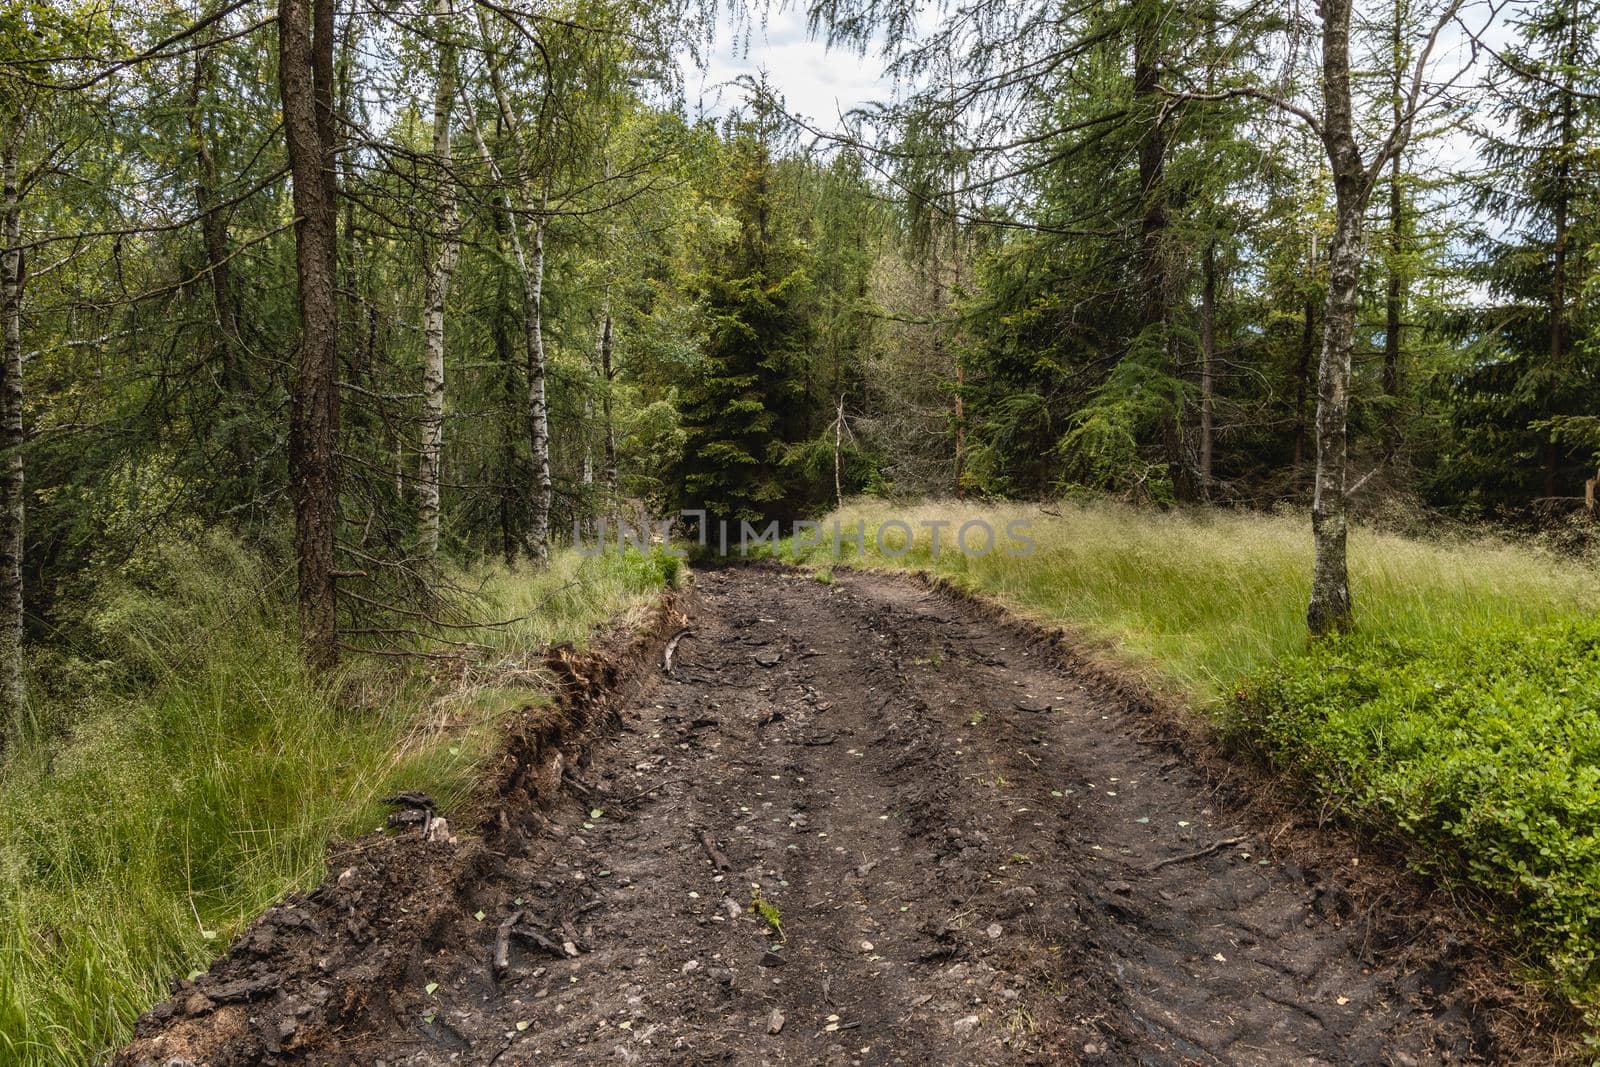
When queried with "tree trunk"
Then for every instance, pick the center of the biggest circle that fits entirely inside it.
(12, 694)
(1561, 226)
(305, 72)
(538, 408)
(505, 357)
(1208, 357)
(1308, 345)
(838, 449)
(607, 376)
(1394, 297)
(1330, 606)
(530, 266)
(219, 267)
(436, 289)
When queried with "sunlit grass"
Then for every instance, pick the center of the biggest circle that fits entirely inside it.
(1198, 600)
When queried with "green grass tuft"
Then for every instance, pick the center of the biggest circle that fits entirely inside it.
(196, 774)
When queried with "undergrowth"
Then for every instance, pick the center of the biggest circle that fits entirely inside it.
(1462, 715)
(185, 771)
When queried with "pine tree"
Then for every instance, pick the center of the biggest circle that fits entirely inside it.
(1521, 431)
(743, 409)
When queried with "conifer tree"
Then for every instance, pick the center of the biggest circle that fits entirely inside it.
(742, 402)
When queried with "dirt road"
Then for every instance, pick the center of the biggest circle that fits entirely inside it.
(972, 857)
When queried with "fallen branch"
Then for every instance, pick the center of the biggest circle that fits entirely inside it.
(652, 789)
(718, 860)
(539, 939)
(1200, 853)
(502, 946)
(672, 647)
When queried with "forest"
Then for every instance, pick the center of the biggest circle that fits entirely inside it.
(335, 333)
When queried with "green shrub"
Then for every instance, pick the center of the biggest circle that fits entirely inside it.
(1483, 750)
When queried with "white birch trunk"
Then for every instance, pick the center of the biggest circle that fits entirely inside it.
(538, 408)
(1330, 607)
(12, 693)
(435, 290)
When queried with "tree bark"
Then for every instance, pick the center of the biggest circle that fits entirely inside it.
(607, 377)
(505, 357)
(530, 267)
(1308, 345)
(214, 236)
(435, 291)
(12, 692)
(1330, 607)
(305, 72)
(1208, 358)
(538, 406)
(1395, 296)
(1561, 226)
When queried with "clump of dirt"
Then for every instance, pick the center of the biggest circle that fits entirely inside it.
(865, 822)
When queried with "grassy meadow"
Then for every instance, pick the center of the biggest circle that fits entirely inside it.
(1462, 715)
(186, 771)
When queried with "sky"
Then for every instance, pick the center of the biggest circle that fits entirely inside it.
(815, 82)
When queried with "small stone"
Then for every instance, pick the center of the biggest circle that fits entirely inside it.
(771, 959)
(690, 967)
(965, 1024)
(775, 1022)
(994, 931)
(866, 946)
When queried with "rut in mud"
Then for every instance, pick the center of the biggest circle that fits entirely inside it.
(972, 855)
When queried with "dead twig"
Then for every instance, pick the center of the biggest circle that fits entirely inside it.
(1199, 853)
(502, 946)
(718, 860)
(652, 789)
(672, 647)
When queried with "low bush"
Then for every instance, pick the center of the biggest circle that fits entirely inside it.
(1484, 752)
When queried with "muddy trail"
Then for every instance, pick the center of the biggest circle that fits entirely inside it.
(860, 822)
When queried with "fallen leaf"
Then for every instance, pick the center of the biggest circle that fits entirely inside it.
(430, 987)
(522, 1024)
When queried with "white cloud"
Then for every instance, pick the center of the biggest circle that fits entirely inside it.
(815, 81)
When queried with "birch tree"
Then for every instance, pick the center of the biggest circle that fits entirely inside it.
(11, 428)
(441, 268)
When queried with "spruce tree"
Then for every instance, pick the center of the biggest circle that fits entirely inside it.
(1520, 409)
(740, 410)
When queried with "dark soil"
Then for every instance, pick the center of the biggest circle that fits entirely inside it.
(976, 852)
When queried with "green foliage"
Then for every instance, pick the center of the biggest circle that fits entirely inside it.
(1531, 361)
(1483, 749)
(196, 772)
(743, 405)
